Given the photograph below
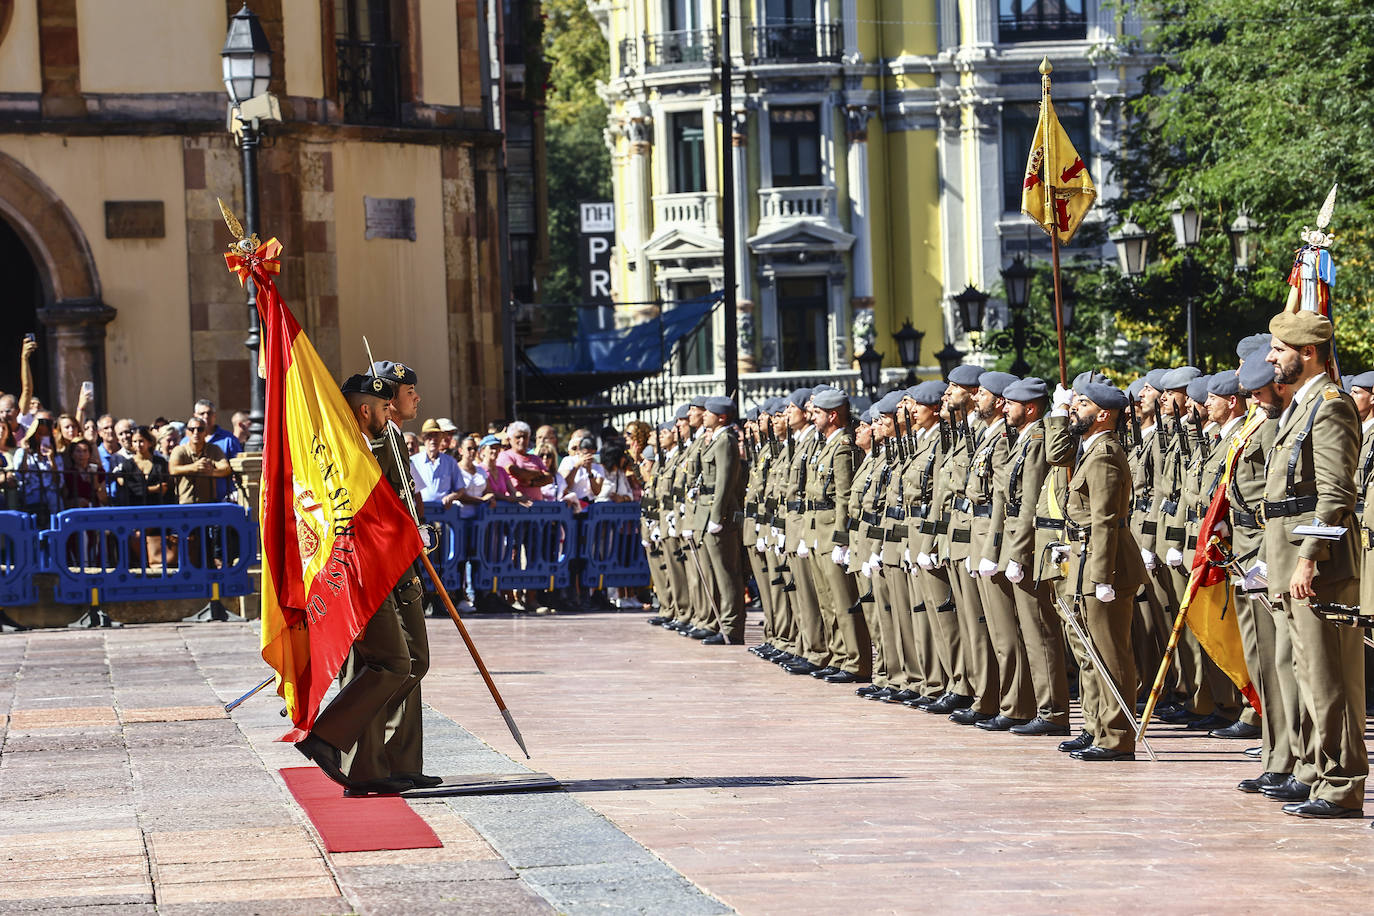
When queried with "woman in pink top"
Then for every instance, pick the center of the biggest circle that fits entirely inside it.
(526, 470)
(499, 484)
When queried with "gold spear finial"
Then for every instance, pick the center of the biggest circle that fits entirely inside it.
(1045, 67)
(1328, 208)
(235, 227)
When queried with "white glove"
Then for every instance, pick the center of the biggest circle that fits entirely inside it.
(777, 535)
(779, 551)
(1256, 577)
(687, 534)
(758, 529)
(1105, 592)
(1221, 529)
(1014, 572)
(672, 529)
(968, 565)
(844, 557)
(837, 555)
(654, 534)
(714, 528)
(1173, 557)
(815, 545)
(925, 561)
(802, 549)
(906, 557)
(1063, 397)
(645, 543)
(760, 545)
(875, 561)
(1059, 553)
(987, 568)
(866, 570)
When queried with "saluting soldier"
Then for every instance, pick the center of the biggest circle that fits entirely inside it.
(1106, 567)
(987, 493)
(981, 664)
(1311, 480)
(1265, 636)
(718, 499)
(1042, 632)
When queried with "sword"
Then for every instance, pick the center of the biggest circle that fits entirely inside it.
(1069, 615)
(230, 707)
(705, 584)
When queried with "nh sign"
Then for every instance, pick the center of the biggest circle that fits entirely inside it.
(594, 249)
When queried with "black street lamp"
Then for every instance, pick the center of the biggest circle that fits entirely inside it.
(870, 370)
(1242, 240)
(909, 346)
(247, 62)
(949, 357)
(1016, 278)
(972, 307)
(1187, 223)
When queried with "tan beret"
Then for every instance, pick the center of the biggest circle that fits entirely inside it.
(1303, 328)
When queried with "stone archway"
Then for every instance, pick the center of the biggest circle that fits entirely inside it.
(73, 314)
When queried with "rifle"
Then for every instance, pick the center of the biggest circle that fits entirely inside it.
(1201, 440)
(1182, 438)
(901, 440)
(1136, 437)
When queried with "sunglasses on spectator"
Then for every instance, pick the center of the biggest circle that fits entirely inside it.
(194, 429)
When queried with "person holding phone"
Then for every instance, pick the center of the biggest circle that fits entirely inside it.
(39, 466)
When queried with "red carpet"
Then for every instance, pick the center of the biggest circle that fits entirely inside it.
(357, 824)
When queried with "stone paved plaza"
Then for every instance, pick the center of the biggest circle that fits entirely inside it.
(695, 780)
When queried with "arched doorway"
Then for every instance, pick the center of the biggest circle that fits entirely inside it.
(20, 298)
(70, 317)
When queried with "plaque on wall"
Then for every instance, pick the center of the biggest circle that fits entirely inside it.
(389, 217)
(134, 219)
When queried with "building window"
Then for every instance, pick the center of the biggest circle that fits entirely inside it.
(369, 71)
(1018, 131)
(795, 140)
(689, 153)
(802, 316)
(1041, 20)
(522, 267)
(696, 351)
(790, 32)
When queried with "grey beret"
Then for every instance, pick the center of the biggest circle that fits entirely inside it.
(965, 375)
(1155, 378)
(1247, 346)
(1197, 388)
(723, 407)
(860, 404)
(1363, 380)
(799, 397)
(888, 402)
(1133, 390)
(1224, 384)
(996, 382)
(1178, 378)
(398, 373)
(1026, 389)
(681, 413)
(1088, 377)
(1256, 374)
(867, 416)
(751, 414)
(829, 399)
(929, 393)
(1103, 395)
(665, 427)
(697, 401)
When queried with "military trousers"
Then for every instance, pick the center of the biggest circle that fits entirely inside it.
(1109, 627)
(723, 554)
(806, 611)
(939, 599)
(904, 620)
(887, 663)
(979, 662)
(1016, 696)
(934, 677)
(375, 717)
(849, 642)
(1269, 659)
(1043, 634)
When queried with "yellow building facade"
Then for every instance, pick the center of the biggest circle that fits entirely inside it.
(113, 148)
(878, 146)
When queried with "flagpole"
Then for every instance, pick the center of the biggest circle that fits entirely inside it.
(404, 467)
(1053, 217)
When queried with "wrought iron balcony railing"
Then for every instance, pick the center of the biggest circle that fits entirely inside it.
(369, 81)
(689, 48)
(798, 41)
(1037, 25)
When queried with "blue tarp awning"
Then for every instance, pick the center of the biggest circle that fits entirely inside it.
(641, 349)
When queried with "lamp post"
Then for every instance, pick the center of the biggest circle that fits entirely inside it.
(247, 63)
(1187, 221)
(972, 304)
(909, 347)
(1132, 246)
(870, 370)
(1016, 278)
(1242, 241)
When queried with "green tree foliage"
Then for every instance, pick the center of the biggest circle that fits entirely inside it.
(1255, 104)
(579, 166)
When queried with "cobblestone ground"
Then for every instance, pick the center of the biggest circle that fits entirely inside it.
(697, 780)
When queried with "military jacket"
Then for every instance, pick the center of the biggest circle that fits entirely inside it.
(722, 478)
(1245, 492)
(861, 496)
(1099, 503)
(828, 482)
(987, 492)
(919, 484)
(1061, 454)
(794, 494)
(1026, 473)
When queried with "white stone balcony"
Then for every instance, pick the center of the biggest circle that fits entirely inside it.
(780, 207)
(698, 211)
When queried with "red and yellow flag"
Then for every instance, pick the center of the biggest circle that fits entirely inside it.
(335, 537)
(1058, 191)
(1210, 602)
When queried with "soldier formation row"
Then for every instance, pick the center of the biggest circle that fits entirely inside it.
(955, 542)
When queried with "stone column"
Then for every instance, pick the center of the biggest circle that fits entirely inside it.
(744, 318)
(640, 210)
(76, 348)
(861, 255)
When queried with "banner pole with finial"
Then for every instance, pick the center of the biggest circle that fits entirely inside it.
(1052, 214)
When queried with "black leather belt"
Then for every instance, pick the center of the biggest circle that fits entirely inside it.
(961, 536)
(875, 533)
(896, 533)
(983, 511)
(1192, 515)
(1049, 524)
(751, 509)
(895, 512)
(940, 527)
(1148, 527)
(917, 510)
(1191, 542)
(1169, 506)
(706, 491)
(820, 505)
(962, 504)
(1174, 534)
(1076, 533)
(796, 505)
(871, 518)
(851, 524)
(1245, 519)
(1143, 504)
(840, 537)
(1287, 508)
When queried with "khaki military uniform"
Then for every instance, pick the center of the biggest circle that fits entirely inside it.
(720, 497)
(753, 527)
(890, 581)
(937, 581)
(814, 642)
(827, 488)
(1151, 629)
(863, 519)
(1310, 474)
(917, 486)
(979, 660)
(779, 583)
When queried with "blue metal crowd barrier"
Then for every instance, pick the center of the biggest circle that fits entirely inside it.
(524, 546)
(455, 543)
(610, 543)
(18, 558)
(148, 553)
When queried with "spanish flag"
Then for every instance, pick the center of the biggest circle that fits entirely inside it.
(335, 537)
(1058, 191)
(1210, 602)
